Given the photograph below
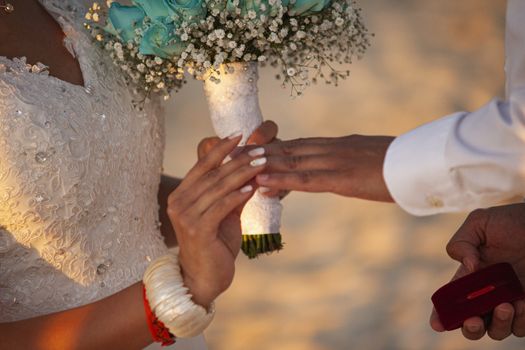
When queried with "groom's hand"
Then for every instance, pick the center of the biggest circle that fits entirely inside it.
(488, 237)
(350, 166)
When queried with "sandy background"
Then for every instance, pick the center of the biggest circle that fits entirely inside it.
(355, 274)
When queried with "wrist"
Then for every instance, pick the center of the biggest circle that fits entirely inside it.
(201, 294)
(170, 300)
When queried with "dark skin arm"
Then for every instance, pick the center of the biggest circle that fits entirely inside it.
(116, 322)
(350, 166)
(168, 184)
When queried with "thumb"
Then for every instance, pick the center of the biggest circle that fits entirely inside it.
(465, 244)
(264, 133)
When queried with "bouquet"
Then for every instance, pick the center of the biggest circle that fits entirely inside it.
(222, 43)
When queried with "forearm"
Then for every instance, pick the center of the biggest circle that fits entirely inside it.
(167, 185)
(116, 322)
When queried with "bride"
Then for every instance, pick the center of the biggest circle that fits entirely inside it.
(81, 208)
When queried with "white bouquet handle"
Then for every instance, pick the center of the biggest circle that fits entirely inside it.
(234, 107)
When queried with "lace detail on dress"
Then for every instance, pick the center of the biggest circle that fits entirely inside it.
(79, 176)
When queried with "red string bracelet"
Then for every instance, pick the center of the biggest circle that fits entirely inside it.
(158, 330)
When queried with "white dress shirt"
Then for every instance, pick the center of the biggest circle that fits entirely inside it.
(467, 160)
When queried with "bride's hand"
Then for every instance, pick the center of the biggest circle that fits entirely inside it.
(204, 210)
(350, 166)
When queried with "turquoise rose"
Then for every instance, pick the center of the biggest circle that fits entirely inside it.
(298, 8)
(177, 11)
(159, 40)
(306, 7)
(123, 20)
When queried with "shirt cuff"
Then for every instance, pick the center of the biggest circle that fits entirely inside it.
(416, 171)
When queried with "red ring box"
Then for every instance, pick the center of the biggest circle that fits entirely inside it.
(476, 294)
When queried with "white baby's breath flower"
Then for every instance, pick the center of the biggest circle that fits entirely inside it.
(219, 33)
(273, 37)
(299, 45)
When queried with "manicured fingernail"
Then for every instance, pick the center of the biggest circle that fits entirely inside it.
(246, 189)
(474, 328)
(256, 152)
(262, 177)
(258, 162)
(263, 189)
(235, 135)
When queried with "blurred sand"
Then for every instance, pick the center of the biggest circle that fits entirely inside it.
(355, 274)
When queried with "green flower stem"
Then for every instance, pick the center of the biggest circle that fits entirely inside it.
(254, 245)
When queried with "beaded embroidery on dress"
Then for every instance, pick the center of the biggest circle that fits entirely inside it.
(79, 175)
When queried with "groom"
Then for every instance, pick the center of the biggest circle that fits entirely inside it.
(460, 162)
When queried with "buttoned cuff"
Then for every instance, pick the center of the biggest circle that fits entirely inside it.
(416, 171)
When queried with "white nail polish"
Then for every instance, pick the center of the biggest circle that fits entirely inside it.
(246, 189)
(263, 189)
(235, 134)
(258, 162)
(256, 152)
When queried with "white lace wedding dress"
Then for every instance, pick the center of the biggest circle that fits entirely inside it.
(79, 175)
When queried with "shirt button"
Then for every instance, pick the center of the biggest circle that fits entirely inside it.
(435, 202)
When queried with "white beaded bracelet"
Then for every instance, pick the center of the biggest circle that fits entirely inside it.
(170, 301)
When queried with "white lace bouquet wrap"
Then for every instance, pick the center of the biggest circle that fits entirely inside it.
(155, 42)
(234, 106)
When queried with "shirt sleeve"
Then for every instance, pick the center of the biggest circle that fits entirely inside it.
(467, 160)
(462, 161)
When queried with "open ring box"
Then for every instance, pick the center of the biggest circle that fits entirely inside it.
(476, 294)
